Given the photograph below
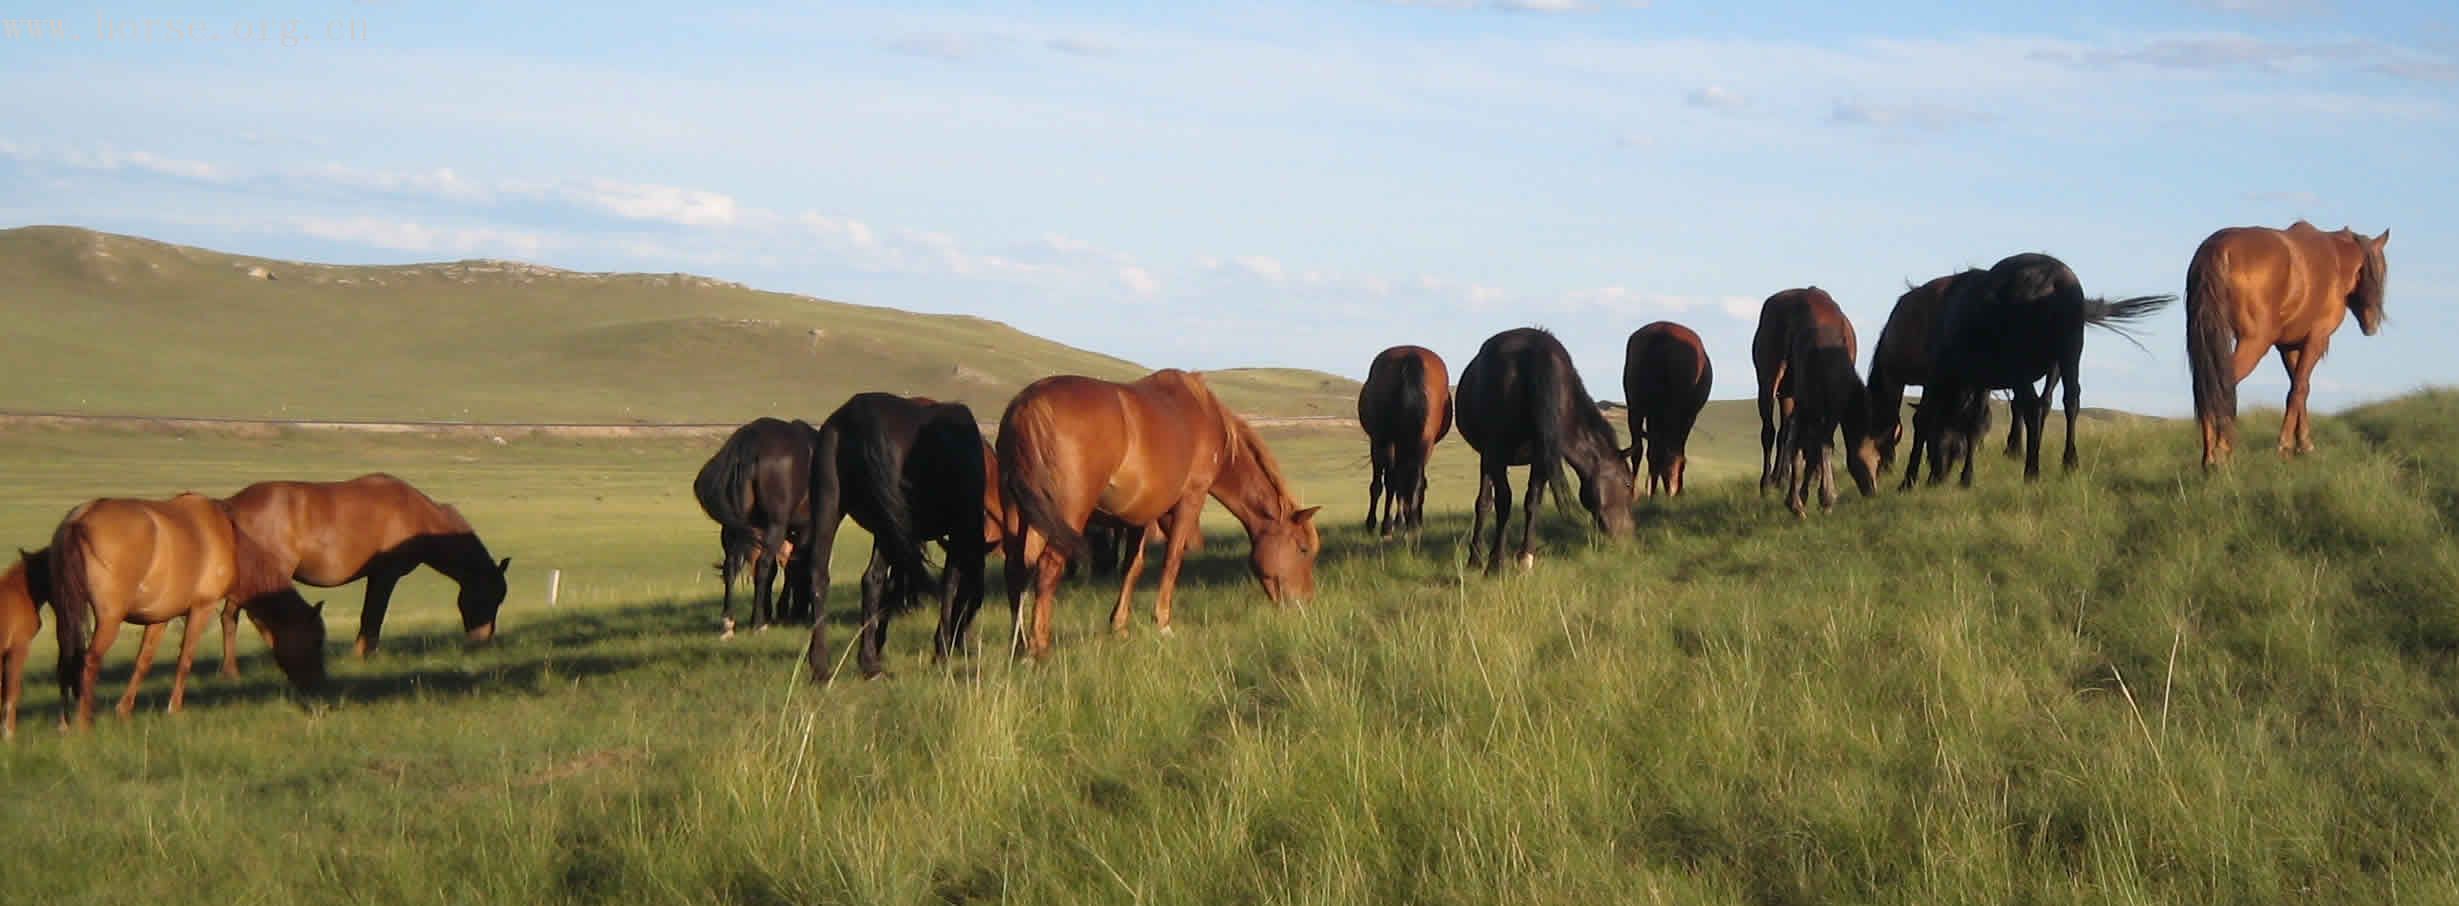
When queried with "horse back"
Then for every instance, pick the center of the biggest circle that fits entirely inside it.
(1391, 411)
(20, 621)
(2280, 283)
(1664, 362)
(153, 560)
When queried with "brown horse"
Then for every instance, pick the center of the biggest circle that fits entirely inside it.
(1145, 453)
(149, 562)
(2251, 289)
(1405, 407)
(1665, 381)
(1788, 320)
(24, 586)
(1821, 393)
(1904, 357)
(374, 527)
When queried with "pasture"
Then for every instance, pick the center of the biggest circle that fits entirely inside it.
(2131, 684)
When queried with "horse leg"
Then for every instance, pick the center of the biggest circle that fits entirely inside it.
(727, 570)
(959, 598)
(1767, 437)
(145, 659)
(230, 640)
(1485, 505)
(2293, 437)
(12, 682)
(2073, 400)
(1179, 535)
(1502, 518)
(188, 637)
(1380, 454)
(1131, 569)
(106, 631)
(872, 635)
(2028, 409)
(1047, 572)
(1021, 549)
(371, 615)
(1529, 509)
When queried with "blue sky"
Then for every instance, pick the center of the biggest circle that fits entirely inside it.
(1279, 183)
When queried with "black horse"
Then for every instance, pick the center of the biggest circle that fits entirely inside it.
(909, 470)
(1521, 403)
(755, 488)
(2020, 322)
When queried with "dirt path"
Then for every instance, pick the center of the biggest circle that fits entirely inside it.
(265, 427)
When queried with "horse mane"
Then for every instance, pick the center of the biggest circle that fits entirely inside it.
(453, 520)
(255, 572)
(2367, 296)
(1251, 444)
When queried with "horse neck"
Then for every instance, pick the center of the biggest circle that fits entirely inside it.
(1585, 451)
(458, 555)
(1247, 486)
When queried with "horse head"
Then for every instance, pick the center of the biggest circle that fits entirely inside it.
(2366, 299)
(1284, 556)
(296, 631)
(482, 594)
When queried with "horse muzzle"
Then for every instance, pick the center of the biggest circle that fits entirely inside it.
(484, 632)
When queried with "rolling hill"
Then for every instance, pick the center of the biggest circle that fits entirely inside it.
(109, 324)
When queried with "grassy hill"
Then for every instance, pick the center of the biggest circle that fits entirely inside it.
(108, 324)
(2133, 684)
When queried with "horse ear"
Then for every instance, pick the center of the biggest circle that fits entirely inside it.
(318, 610)
(1305, 514)
(503, 565)
(2383, 239)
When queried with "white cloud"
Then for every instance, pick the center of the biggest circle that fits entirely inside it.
(2265, 8)
(1626, 302)
(1081, 46)
(1268, 269)
(442, 182)
(108, 159)
(1138, 281)
(1922, 117)
(948, 47)
(413, 236)
(1716, 97)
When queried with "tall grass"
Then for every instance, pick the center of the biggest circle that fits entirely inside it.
(2135, 684)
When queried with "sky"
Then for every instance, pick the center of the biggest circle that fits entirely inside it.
(1284, 184)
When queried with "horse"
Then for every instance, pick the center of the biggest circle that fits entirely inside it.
(149, 562)
(24, 586)
(1903, 358)
(1784, 319)
(1143, 453)
(1405, 407)
(756, 488)
(1665, 379)
(2019, 322)
(909, 471)
(374, 527)
(2250, 289)
(1819, 393)
(1521, 403)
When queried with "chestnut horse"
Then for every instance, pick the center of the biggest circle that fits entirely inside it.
(149, 562)
(1788, 320)
(2250, 289)
(909, 471)
(1144, 453)
(1903, 358)
(1665, 381)
(755, 488)
(1405, 407)
(2020, 322)
(1819, 392)
(1521, 403)
(24, 586)
(374, 527)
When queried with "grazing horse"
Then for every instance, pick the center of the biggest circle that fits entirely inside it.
(909, 471)
(24, 586)
(149, 562)
(1819, 393)
(756, 489)
(373, 527)
(1405, 407)
(1665, 381)
(1522, 403)
(2251, 289)
(1903, 358)
(2021, 321)
(1784, 320)
(1144, 453)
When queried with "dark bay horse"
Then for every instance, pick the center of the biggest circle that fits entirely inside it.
(1145, 453)
(756, 489)
(149, 562)
(1521, 403)
(1405, 407)
(1665, 381)
(2250, 290)
(24, 586)
(374, 527)
(1785, 320)
(1903, 358)
(2019, 322)
(1819, 392)
(909, 470)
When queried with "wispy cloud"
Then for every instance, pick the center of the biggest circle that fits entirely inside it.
(414, 236)
(1716, 97)
(106, 159)
(1919, 117)
(1517, 6)
(2269, 9)
(1081, 46)
(943, 46)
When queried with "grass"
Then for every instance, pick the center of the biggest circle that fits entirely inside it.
(108, 324)
(2134, 684)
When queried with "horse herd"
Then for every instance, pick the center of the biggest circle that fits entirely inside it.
(1087, 469)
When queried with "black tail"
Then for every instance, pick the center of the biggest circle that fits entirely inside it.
(1552, 401)
(73, 603)
(1020, 461)
(2211, 347)
(723, 486)
(884, 479)
(2116, 317)
(1409, 403)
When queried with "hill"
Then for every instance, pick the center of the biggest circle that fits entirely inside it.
(110, 324)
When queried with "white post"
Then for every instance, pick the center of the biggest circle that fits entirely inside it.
(554, 586)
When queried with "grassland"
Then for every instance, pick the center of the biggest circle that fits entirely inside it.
(103, 324)
(2134, 684)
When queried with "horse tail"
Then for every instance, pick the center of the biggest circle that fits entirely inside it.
(72, 601)
(724, 485)
(1024, 434)
(1410, 406)
(884, 473)
(2119, 315)
(1553, 401)
(2211, 345)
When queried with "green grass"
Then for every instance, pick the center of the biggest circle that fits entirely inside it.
(101, 323)
(2135, 684)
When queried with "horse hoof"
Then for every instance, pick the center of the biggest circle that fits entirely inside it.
(1165, 632)
(1528, 561)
